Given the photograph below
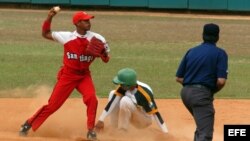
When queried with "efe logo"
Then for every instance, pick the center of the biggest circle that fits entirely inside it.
(236, 132)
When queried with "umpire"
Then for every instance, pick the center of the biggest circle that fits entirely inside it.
(203, 72)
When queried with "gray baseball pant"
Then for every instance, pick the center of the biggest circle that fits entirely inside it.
(199, 102)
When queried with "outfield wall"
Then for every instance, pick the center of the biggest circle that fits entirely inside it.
(225, 5)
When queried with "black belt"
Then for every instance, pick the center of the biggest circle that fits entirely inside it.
(198, 86)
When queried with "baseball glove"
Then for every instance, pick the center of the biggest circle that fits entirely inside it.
(95, 47)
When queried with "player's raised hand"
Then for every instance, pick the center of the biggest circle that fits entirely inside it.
(53, 11)
(46, 28)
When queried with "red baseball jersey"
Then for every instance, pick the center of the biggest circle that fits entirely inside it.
(75, 45)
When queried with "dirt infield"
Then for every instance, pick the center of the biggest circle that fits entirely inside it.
(68, 123)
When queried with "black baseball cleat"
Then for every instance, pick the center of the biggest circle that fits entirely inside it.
(91, 135)
(24, 129)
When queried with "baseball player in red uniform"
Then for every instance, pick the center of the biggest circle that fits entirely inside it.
(74, 74)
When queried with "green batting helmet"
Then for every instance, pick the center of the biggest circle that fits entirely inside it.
(126, 77)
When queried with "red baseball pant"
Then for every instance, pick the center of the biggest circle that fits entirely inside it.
(68, 80)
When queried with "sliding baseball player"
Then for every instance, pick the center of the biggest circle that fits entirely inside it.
(131, 103)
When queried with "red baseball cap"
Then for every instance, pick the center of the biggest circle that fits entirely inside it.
(81, 15)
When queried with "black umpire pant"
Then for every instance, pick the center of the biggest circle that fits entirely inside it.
(199, 102)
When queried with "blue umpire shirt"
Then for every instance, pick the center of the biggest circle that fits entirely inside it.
(203, 64)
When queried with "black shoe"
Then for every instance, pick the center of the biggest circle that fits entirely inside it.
(24, 129)
(91, 135)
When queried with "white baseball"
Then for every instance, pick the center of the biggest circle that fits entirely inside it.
(57, 9)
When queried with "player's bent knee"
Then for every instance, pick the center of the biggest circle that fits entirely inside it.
(126, 102)
(90, 99)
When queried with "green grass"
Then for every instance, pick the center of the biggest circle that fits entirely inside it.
(152, 45)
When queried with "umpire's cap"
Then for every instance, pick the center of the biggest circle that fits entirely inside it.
(81, 15)
(211, 32)
(126, 76)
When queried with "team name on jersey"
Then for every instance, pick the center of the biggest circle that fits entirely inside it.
(82, 58)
